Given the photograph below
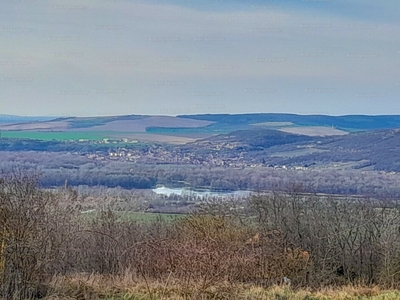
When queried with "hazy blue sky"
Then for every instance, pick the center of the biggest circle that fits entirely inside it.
(106, 57)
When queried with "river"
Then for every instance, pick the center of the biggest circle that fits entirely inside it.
(202, 194)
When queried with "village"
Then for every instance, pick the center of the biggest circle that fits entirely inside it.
(158, 154)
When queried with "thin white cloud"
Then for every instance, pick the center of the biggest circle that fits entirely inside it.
(106, 52)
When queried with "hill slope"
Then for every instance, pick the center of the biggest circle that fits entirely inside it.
(368, 150)
(348, 122)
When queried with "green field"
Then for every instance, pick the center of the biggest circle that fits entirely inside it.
(114, 137)
(57, 135)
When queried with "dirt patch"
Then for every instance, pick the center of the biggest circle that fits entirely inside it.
(38, 126)
(161, 138)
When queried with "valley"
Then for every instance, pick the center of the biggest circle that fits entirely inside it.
(254, 152)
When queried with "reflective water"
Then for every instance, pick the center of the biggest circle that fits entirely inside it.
(193, 193)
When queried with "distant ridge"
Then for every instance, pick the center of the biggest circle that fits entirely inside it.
(205, 123)
(345, 122)
(4, 118)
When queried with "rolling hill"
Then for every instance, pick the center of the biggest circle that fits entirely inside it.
(187, 128)
(367, 150)
(118, 123)
(347, 123)
(9, 119)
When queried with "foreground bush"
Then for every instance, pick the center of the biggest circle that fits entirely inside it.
(32, 236)
(295, 239)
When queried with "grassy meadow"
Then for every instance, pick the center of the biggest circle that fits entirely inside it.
(56, 135)
(97, 136)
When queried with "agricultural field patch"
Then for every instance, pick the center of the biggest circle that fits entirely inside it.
(314, 130)
(140, 125)
(55, 135)
(150, 138)
(37, 126)
(274, 124)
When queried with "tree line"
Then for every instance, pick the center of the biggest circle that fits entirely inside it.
(56, 168)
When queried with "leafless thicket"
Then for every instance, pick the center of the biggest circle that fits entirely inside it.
(312, 240)
(350, 240)
(33, 233)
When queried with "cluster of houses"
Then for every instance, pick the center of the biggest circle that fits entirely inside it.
(162, 155)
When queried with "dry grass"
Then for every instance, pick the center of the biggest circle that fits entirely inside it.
(91, 286)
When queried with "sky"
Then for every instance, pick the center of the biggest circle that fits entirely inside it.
(173, 57)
